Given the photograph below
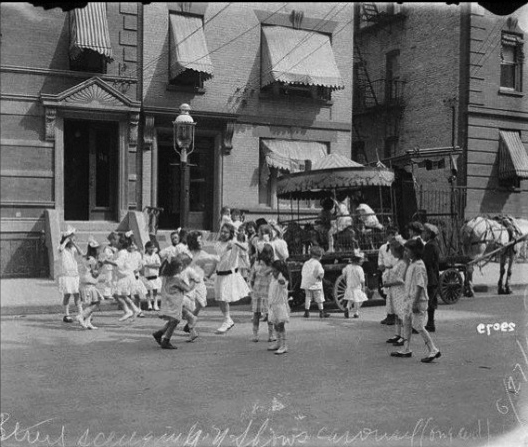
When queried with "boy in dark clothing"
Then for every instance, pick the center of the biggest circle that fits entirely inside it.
(431, 257)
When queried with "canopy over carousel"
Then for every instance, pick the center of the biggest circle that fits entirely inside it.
(329, 174)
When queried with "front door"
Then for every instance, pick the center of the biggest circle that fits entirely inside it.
(90, 170)
(201, 187)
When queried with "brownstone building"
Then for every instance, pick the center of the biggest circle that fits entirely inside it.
(439, 87)
(88, 98)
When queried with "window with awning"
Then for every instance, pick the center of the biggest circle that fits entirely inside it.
(90, 46)
(189, 61)
(513, 158)
(297, 58)
(284, 156)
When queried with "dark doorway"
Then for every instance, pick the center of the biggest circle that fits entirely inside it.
(201, 188)
(90, 170)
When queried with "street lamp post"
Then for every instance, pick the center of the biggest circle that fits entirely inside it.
(183, 127)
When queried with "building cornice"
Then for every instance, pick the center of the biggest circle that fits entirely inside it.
(64, 73)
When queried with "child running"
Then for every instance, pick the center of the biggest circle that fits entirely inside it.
(69, 276)
(278, 309)
(312, 274)
(191, 278)
(90, 293)
(355, 284)
(151, 266)
(260, 279)
(204, 264)
(172, 295)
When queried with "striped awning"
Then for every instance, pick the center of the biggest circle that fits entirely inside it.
(297, 56)
(188, 46)
(513, 159)
(89, 30)
(291, 155)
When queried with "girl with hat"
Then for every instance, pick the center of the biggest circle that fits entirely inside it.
(90, 294)
(69, 276)
(355, 284)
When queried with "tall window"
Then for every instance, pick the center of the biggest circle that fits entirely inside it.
(358, 152)
(392, 76)
(511, 61)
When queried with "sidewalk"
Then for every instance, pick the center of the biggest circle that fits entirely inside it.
(39, 296)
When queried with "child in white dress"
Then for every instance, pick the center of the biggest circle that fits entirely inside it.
(229, 284)
(204, 264)
(126, 278)
(90, 279)
(278, 308)
(395, 284)
(172, 295)
(108, 257)
(191, 278)
(151, 278)
(69, 276)
(355, 284)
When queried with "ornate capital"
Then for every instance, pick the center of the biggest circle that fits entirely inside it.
(51, 115)
(133, 129)
(227, 140)
(148, 132)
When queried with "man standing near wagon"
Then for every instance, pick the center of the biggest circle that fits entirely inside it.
(431, 258)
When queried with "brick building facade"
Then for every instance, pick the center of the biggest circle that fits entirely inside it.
(87, 126)
(429, 93)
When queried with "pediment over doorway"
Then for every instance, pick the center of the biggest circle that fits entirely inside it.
(92, 94)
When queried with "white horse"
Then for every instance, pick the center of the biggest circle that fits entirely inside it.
(482, 235)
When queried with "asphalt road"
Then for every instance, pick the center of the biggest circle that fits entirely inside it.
(65, 386)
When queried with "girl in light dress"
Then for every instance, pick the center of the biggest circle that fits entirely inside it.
(172, 296)
(416, 302)
(204, 264)
(395, 284)
(229, 284)
(355, 284)
(191, 278)
(278, 308)
(138, 290)
(69, 276)
(225, 216)
(108, 257)
(91, 277)
(151, 278)
(126, 277)
(259, 281)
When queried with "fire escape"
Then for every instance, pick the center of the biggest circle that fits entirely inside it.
(377, 101)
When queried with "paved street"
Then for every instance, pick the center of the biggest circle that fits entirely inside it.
(337, 385)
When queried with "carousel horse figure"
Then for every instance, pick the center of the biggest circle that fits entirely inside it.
(368, 225)
(482, 235)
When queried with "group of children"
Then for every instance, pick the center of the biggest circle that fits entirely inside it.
(250, 261)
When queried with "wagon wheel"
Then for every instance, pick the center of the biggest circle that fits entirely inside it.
(339, 292)
(451, 286)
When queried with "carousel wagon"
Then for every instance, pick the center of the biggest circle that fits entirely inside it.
(336, 183)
